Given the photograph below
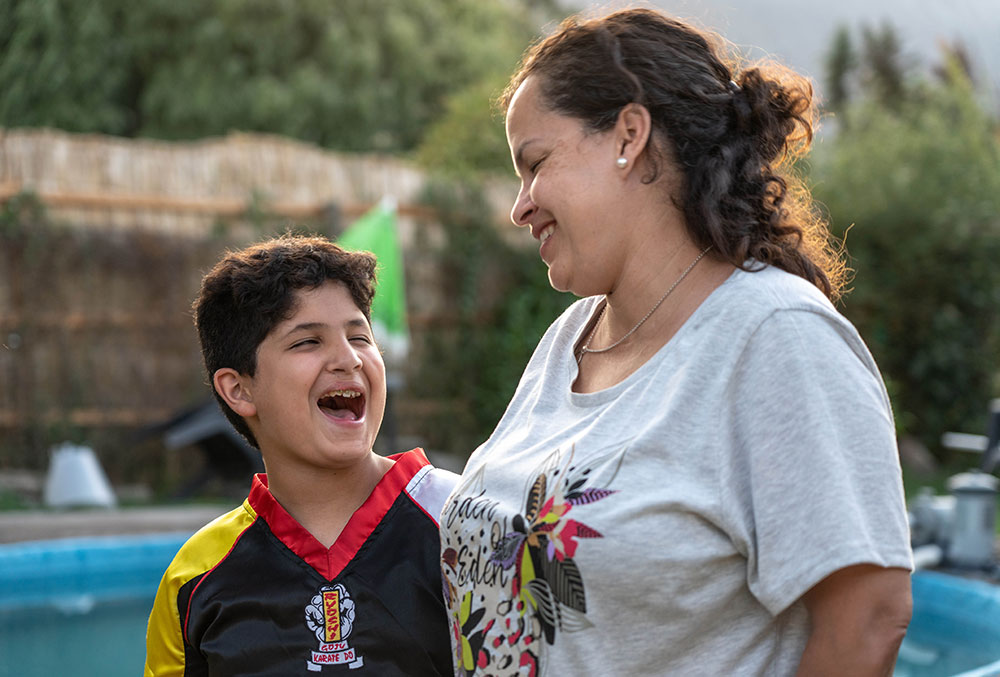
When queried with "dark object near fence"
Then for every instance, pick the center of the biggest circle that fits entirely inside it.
(227, 455)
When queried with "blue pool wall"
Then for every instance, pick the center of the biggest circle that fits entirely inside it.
(946, 604)
(80, 571)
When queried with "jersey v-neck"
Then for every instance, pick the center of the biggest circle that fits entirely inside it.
(329, 562)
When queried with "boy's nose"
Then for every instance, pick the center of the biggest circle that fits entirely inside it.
(345, 358)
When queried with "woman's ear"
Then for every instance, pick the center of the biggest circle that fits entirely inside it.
(233, 389)
(632, 132)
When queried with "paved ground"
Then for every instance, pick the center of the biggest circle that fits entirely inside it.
(37, 525)
(40, 524)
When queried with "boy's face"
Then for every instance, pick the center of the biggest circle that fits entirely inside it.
(319, 390)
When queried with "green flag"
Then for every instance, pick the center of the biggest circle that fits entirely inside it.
(376, 232)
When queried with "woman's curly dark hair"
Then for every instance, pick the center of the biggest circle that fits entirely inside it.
(249, 292)
(733, 136)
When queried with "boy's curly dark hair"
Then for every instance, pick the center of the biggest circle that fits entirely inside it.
(732, 136)
(251, 291)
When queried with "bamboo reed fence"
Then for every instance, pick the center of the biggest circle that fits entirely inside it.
(95, 329)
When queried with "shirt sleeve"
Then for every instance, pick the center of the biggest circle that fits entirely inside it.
(167, 652)
(814, 479)
(164, 639)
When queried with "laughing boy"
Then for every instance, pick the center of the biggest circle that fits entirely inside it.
(331, 563)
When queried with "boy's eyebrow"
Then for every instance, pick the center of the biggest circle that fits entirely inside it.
(357, 322)
(306, 326)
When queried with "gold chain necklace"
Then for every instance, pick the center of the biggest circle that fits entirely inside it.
(585, 348)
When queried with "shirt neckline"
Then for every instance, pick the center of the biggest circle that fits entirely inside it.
(330, 562)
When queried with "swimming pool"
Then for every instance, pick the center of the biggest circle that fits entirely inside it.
(955, 628)
(79, 606)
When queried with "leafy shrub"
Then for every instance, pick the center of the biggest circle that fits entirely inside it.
(502, 303)
(915, 192)
(351, 75)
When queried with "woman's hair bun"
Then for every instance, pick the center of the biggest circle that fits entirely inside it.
(774, 106)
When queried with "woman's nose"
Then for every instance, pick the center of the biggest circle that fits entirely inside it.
(523, 208)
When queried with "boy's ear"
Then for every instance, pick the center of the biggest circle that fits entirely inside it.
(231, 386)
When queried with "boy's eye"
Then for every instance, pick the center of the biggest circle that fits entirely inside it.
(305, 342)
(363, 338)
(534, 165)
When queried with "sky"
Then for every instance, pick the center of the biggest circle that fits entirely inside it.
(799, 34)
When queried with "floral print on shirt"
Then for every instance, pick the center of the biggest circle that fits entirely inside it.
(512, 591)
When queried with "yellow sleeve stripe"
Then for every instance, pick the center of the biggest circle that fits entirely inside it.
(199, 555)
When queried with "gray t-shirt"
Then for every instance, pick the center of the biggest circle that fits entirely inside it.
(669, 525)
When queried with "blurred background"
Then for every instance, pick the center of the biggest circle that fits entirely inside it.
(139, 141)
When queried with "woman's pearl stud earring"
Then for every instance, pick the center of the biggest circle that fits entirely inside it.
(622, 162)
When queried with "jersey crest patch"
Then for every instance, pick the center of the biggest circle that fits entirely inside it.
(330, 616)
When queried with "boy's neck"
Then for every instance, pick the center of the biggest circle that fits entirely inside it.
(324, 501)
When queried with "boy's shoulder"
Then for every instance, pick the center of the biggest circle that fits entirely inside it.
(427, 486)
(430, 489)
(209, 545)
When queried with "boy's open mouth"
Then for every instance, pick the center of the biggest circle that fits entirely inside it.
(343, 404)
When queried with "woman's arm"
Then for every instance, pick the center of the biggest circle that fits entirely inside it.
(858, 617)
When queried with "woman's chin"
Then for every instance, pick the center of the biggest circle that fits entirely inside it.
(558, 282)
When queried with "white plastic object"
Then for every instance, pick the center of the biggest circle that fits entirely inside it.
(76, 479)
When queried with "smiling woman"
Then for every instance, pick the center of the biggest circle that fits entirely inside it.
(697, 473)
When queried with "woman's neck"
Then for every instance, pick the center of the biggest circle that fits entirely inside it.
(628, 309)
(653, 274)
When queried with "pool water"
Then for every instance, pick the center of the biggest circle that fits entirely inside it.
(106, 639)
(955, 628)
(80, 606)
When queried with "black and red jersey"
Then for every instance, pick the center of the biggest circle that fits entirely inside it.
(254, 593)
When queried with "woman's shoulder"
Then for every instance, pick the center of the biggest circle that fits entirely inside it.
(766, 289)
(771, 302)
(762, 299)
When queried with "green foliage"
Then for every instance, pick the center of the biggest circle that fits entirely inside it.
(19, 213)
(469, 139)
(884, 70)
(61, 66)
(880, 70)
(351, 74)
(840, 63)
(916, 192)
(503, 305)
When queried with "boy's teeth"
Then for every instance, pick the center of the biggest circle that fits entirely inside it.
(342, 393)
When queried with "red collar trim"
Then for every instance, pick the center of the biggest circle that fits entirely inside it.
(329, 563)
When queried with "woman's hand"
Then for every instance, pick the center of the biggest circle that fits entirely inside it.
(858, 617)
